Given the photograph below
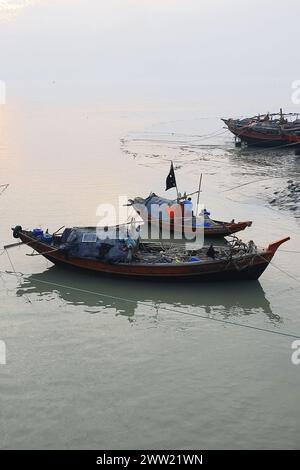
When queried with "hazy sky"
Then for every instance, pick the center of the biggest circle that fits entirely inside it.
(186, 50)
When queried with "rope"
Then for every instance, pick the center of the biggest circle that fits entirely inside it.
(280, 269)
(177, 134)
(124, 299)
(181, 142)
(15, 274)
(43, 253)
(285, 272)
(251, 182)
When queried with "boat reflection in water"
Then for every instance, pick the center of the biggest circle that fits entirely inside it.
(220, 300)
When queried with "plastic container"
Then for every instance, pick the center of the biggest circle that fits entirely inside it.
(47, 238)
(37, 232)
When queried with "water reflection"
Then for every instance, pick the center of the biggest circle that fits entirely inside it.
(226, 300)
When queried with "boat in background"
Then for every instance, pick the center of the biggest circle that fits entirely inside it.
(85, 249)
(266, 130)
(176, 216)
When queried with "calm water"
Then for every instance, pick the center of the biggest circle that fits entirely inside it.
(98, 363)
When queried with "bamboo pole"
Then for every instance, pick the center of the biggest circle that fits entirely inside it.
(198, 198)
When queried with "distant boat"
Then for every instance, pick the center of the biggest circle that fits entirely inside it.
(267, 130)
(81, 248)
(172, 217)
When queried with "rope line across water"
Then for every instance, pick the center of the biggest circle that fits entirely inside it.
(124, 299)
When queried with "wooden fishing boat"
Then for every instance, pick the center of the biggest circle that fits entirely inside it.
(81, 248)
(269, 130)
(172, 218)
(177, 215)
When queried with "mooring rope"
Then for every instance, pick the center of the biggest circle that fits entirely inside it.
(190, 142)
(15, 274)
(251, 182)
(285, 272)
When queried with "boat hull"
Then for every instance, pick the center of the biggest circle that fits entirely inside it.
(221, 229)
(184, 225)
(265, 142)
(252, 273)
(261, 139)
(258, 139)
(249, 267)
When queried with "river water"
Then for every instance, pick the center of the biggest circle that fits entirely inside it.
(107, 363)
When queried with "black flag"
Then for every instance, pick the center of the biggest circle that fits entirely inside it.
(171, 180)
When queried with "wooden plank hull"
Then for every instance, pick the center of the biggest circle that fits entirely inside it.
(250, 273)
(257, 139)
(222, 230)
(249, 267)
(260, 139)
(188, 225)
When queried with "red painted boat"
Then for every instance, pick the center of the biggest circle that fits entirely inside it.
(236, 262)
(269, 130)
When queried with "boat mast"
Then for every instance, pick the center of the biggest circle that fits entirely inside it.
(199, 189)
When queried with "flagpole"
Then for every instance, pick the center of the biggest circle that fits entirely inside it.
(177, 191)
(200, 181)
(175, 181)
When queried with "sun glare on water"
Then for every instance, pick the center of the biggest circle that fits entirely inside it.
(9, 8)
